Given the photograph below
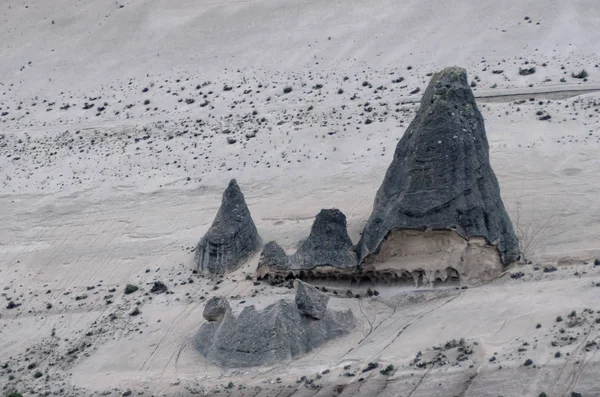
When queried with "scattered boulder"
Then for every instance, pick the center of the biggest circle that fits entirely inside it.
(130, 289)
(277, 333)
(310, 301)
(158, 287)
(12, 305)
(231, 239)
(527, 71)
(580, 75)
(215, 309)
(441, 184)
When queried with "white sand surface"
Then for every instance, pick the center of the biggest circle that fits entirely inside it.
(102, 198)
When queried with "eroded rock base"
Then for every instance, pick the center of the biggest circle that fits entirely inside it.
(424, 258)
(435, 255)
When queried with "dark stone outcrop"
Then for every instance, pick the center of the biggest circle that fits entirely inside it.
(231, 239)
(327, 246)
(158, 287)
(273, 256)
(440, 177)
(277, 333)
(310, 301)
(215, 309)
(328, 243)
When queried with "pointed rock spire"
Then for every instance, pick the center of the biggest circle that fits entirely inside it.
(231, 239)
(440, 177)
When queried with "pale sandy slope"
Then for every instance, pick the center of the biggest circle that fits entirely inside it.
(83, 204)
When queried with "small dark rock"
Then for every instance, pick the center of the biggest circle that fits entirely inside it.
(581, 75)
(526, 71)
(158, 287)
(130, 289)
(215, 309)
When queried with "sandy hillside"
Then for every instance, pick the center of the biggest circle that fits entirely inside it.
(122, 122)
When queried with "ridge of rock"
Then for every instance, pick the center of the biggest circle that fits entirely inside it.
(277, 333)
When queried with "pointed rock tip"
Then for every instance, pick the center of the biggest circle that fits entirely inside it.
(232, 190)
(233, 185)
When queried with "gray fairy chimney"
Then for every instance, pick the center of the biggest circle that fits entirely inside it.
(231, 239)
(440, 177)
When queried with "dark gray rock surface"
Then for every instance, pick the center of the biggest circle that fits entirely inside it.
(158, 287)
(440, 176)
(310, 301)
(216, 308)
(231, 239)
(328, 245)
(277, 333)
(273, 256)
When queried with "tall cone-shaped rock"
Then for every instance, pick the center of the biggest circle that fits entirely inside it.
(441, 180)
(231, 239)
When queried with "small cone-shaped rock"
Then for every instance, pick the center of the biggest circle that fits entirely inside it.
(273, 256)
(231, 239)
(441, 178)
(328, 243)
(327, 247)
(310, 301)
